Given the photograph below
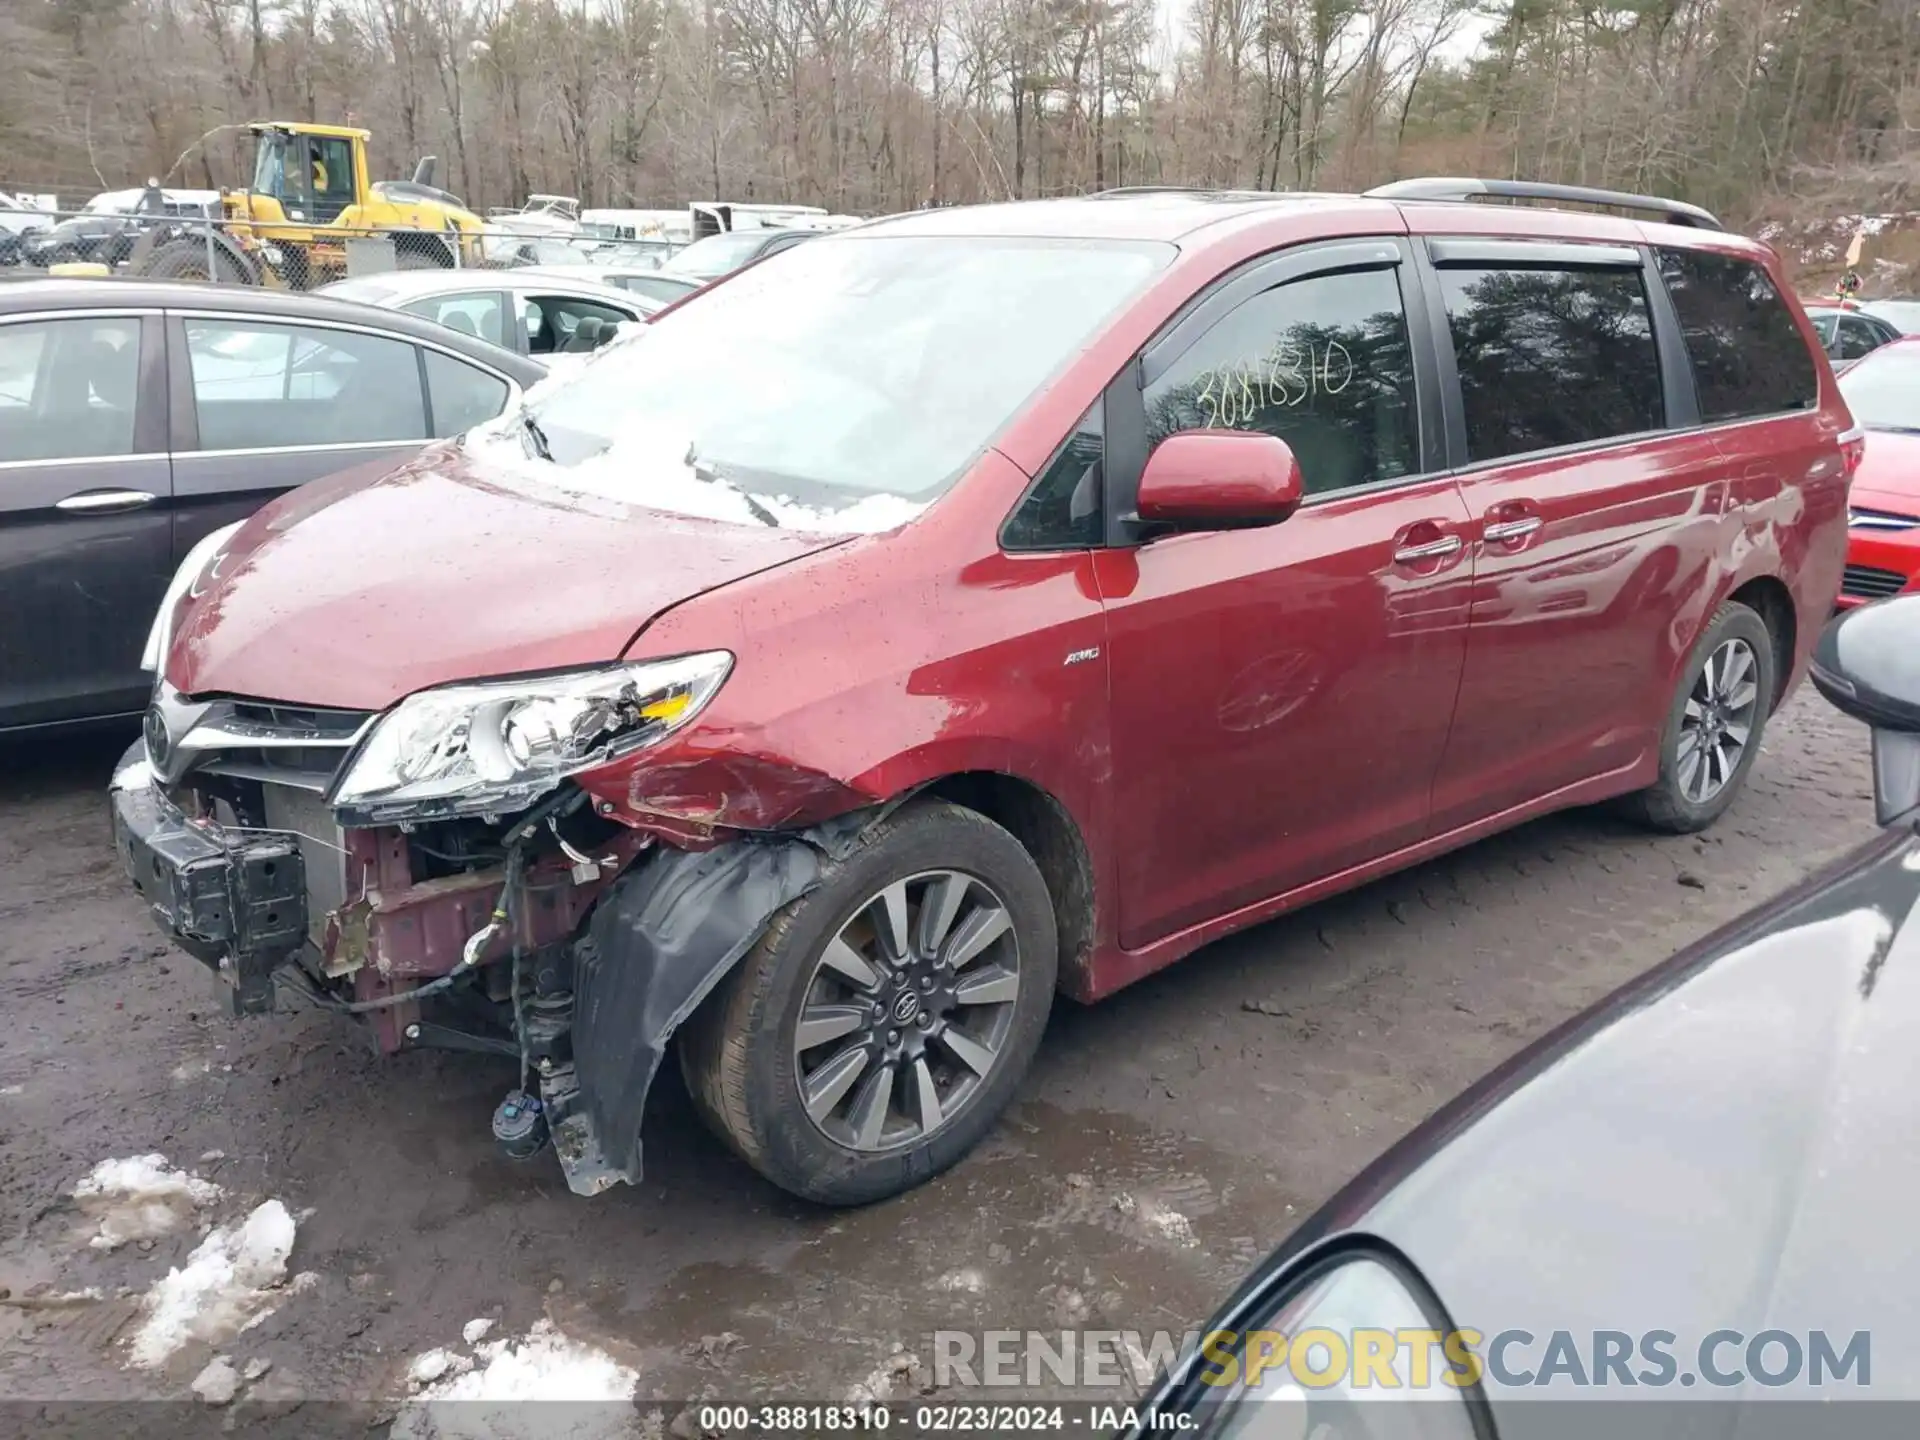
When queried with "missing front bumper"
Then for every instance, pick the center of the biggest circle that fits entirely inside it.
(235, 901)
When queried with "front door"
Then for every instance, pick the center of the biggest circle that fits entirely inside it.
(1281, 696)
(85, 529)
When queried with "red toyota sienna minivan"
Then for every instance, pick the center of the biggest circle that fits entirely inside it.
(977, 605)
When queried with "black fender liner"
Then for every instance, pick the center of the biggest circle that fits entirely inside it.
(669, 931)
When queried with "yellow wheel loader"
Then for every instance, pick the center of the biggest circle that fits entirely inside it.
(309, 199)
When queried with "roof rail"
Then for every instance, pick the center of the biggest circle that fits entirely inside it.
(1674, 212)
(1157, 190)
(1236, 190)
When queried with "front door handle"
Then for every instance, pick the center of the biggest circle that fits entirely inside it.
(104, 502)
(1431, 550)
(1505, 530)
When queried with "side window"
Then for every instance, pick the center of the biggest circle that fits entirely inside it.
(262, 386)
(554, 323)
(1748, 355)
(1856, 338)
(68, 388)
(479, 312)
(1323, 363)
(1551, 357)
(463, 395)
(1824, 323)
(1063, 509)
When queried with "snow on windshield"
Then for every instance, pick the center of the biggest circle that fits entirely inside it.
(653, 468)
(842, 386)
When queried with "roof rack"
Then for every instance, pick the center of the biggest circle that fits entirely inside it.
(1234, 191)
(1674, 212)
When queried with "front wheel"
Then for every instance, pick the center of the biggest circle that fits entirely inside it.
(1713, 726)
(885, 1019)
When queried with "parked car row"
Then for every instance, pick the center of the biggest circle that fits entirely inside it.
(816, 708)
(844, 698)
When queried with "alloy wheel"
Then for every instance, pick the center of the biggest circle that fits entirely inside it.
(1717, 724)
(907, 1011)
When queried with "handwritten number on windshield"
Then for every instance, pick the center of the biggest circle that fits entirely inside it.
(1232, 396)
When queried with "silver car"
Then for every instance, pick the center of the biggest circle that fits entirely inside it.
(536, 313)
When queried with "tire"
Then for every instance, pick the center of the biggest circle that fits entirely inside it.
(1674, 803)
(738, 1052)
(186, 259)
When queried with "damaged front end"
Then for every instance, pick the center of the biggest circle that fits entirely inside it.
(457, 900)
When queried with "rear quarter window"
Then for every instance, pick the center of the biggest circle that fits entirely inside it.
(1749, 357)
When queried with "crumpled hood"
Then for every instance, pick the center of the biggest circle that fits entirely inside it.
(357, 590)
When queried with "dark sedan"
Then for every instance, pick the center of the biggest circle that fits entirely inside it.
(138, 417)
(1701, 1189)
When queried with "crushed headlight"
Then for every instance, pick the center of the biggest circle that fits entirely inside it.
(495, 748)
(201, 565)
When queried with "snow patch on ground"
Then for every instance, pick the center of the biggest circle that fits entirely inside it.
(229, 1283)
(437, 1364)
(1159, 1217)
(139, 1198)
(545, 1366)
(474, 1331)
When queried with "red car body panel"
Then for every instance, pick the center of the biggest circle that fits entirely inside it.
(1236, 723)
(1888, 481)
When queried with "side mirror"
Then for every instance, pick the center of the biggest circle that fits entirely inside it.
(1867, 662)
(1219, 480)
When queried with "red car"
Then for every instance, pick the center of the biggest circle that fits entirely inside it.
(1883, 518)
(980, 604)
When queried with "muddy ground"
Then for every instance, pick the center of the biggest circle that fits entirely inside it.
(1232, 1094)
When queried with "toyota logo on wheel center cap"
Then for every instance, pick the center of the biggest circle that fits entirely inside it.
(905, 1006)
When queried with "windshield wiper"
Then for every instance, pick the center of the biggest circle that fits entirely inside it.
(536, 438)
(706, 470)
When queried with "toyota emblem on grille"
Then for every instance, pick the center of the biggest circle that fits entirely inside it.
(159, 742)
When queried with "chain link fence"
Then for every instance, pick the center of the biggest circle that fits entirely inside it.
(200, 239)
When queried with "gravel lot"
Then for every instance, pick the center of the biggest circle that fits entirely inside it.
(1166, 1140)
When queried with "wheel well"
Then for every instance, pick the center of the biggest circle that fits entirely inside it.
(1041, 824)
(1769, 598)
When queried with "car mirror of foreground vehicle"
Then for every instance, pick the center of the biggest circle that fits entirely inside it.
(1867, 663)
(1219, 480)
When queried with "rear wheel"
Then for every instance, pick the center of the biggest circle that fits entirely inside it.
(191, 259)
(884, 1020)
(1713, 726)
